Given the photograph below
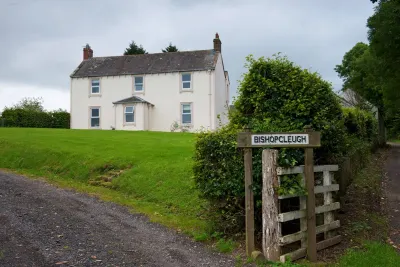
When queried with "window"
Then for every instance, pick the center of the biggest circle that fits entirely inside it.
(94, 117)
(139, 84)
(129, 114)
(186, 113)
(95, 86)
(186, 81)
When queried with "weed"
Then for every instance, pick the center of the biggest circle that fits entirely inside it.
(225, 245)
(201, 236)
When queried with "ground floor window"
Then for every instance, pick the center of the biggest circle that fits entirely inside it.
(186, 113)
(94, 117)
(129, 114)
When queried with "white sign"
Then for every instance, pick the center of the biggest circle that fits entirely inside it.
(279, 139)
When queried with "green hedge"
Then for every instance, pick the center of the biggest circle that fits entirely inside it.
(361, 124)
(17, 117)
(274, 96)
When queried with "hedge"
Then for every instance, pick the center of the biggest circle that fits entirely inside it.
(360, 123)
(17, 117)
(275, 95)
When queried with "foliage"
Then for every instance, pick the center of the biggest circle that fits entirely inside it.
(372, 254)
(360, 123)
(170, 48)
(30, 104)
(278, 95)
(274, 96)
(156, 168)
(19, 117)
(134, 49)
(359, 72)
(384, 30)
(225, 246)
(291, 185)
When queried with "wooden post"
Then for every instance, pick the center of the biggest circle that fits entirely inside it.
(270, 206)
(311, 222)
(249, 199)
(303, 206)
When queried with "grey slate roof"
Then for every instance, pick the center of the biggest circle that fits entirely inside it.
(132, 99)
(147, 63)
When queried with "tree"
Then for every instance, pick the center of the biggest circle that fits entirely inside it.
(383, 34)
(170, 48)
(30, 104)
(359, 71)
(134, 49)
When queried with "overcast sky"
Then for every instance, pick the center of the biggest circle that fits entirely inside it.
(41, 41)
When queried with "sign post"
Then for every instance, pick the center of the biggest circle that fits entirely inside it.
(307, 140)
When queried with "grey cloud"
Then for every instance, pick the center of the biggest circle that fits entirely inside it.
(41, 40)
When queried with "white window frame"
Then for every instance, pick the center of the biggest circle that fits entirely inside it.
(134, 84)
(91, 87)
(133, 113)
(91, 117)
(190, 82)
(191, 113)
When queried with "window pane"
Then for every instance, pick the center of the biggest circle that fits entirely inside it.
(129, 117)
(186, 118)
(95, 122)
(128, 109)
(186, 85)
(95, 112)
(186, 108)
(186, 77)
(138, 80)
(95, 89)
(95, 82)
(138, 87)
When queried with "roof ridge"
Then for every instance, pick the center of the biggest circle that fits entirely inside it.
(160, 53)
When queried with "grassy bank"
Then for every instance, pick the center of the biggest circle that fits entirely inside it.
(148, 171)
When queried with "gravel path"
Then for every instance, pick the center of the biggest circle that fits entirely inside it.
(41, 225)
(393, 193)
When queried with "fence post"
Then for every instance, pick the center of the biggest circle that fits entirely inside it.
(249, 198)
(311, 222)
(270, 206)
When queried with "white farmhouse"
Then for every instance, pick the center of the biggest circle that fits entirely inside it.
(154, 92)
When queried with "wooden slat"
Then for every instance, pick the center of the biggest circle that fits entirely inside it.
(326, 188)
(299, 235)
(300, 253)
(300, 169)
(317, 190)
(292, 215)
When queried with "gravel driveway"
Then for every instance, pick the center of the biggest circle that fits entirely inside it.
(41, 225)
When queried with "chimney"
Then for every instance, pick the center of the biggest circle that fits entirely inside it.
(87, 52)
(217, 43)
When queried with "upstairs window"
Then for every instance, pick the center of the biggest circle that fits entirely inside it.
(129, 114)
(94, 117)
(186, 113)
(186, 81)
(139, 84)
(95, 86)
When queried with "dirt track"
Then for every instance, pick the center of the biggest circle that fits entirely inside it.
(41, 225)
(393, 192)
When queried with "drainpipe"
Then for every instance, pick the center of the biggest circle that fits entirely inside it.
(115, 117)
(209, 98)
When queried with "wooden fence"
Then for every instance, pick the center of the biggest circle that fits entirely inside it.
(273, 240)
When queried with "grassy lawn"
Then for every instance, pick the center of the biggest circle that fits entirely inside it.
(151, 171)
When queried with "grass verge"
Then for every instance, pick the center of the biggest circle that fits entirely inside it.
(149, 172)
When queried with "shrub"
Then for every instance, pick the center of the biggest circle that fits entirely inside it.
(274, 96)
(361, 124)
(276, 92)
(19, 117)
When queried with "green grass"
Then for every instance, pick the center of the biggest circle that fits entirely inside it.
(156, 177)
(373, 254)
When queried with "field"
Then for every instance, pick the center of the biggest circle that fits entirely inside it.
(147, 171)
